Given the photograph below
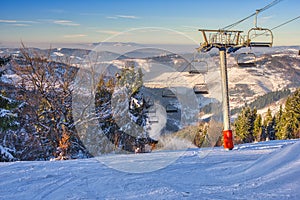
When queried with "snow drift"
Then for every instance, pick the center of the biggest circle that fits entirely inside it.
(265, 170)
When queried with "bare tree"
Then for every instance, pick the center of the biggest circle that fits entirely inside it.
(45, 86)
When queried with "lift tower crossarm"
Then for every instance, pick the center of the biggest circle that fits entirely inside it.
(219, 30)
(221, 38)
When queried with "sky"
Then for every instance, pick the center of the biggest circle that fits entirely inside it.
(88, 21)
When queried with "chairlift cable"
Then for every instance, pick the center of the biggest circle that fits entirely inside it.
(273, 3)
(285, 23)
(275, 27)
(179, 75)
(173, 76)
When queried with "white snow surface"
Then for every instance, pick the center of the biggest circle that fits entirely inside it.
(265, 170)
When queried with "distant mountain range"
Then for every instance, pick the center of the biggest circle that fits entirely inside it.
(275, 68)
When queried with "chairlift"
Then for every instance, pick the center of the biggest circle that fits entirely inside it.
(168, 94)
(256, 32)
(246, 60)
(200, 88)
(170, 108)
(198, 66)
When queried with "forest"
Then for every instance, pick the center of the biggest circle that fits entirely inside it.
(37, 122)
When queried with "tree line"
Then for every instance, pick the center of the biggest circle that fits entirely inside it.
(284, 124)
(36, 111)
(37, 122)
(264, 100)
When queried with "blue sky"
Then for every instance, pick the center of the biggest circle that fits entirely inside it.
(85, 21)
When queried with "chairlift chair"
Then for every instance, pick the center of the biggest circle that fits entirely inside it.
(258, 31)
(246, 60)
(200, 88)
(153, 119)
(255, 33)
(198, 67)
(170, 108)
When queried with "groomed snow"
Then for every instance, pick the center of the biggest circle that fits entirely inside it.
(266, 170)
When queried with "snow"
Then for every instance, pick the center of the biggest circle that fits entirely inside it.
(5, 153)
(58, 54)
(265, 170)
(10, 78)
(4, 112)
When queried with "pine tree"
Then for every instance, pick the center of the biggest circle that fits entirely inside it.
(279, 130)
(244, 125)
(8, 119)
(257, 129)
(272, 132)
(7, 114)
(292, 116)
(269, 126)
(288, 120)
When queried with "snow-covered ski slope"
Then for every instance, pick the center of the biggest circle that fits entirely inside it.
(266, 170)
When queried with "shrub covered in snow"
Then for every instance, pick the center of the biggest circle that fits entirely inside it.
(5, 154)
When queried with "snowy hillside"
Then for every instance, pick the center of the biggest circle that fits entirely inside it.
(273, 71)
(276, 68)
(267, 170)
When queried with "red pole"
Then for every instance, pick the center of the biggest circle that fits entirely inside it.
(227, 139)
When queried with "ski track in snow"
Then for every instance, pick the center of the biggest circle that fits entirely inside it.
(265, 170)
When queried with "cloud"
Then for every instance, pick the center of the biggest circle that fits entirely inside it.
(112, 17)
(21, 25)
(17, 21)
(267, 17)
(127, 16)
(122, 17)
(110, 32)
(264, 19)
(7, 21)
(75, 36)
(65, 23)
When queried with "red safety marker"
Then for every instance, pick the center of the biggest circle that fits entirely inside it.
(227, 139)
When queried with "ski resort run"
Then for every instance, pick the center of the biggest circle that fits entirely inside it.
(265, 170)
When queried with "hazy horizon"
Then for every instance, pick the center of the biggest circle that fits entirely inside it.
(150, 22)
